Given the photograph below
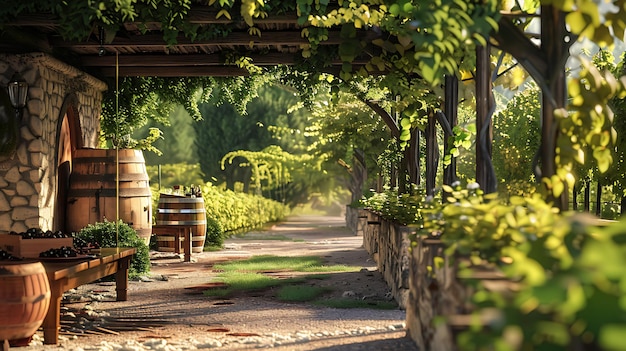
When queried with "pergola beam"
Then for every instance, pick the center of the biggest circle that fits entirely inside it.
(151, 41)
(181, 60)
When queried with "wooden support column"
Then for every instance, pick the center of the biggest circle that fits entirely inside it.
(556, 49)
(413, 157)
(409, 171)
(451, 103)
(485, 174)
(546, 64)
(432, 153)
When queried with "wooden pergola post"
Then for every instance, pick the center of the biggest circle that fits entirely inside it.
(432, 153)
(485, 174)
(451, 103)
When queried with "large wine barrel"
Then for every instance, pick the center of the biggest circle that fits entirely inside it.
(92, 194)
(24, 298)
(177, 210)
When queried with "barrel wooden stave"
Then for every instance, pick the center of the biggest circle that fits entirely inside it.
(181, 211)
(24, 298)
(92, 195)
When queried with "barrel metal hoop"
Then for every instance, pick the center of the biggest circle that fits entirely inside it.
(200, 222)
(181, 210)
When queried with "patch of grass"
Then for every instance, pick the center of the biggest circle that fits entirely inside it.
(247, 275)
(283, 263)
(266, 237)
(300, 293)
(246, 281)
(352, 303)
(212, 248)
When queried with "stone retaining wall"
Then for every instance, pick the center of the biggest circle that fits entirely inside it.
(388, 243)
(434, 291)
(425, 282)
(439, 303)
(28, 179)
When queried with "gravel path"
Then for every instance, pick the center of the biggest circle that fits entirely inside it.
(169, 311)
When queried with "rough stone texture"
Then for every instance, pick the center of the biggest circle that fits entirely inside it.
(356, 220)
(51, 84)
(388, 243)
(428, 280)
(424, 281)
(437, 291)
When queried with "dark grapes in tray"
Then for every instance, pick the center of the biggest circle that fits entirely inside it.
(37, 233)
(61, 252)
(6, 256)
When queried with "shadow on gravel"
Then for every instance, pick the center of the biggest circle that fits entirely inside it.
(399, 344)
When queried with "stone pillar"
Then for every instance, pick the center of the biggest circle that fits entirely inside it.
(28, 180)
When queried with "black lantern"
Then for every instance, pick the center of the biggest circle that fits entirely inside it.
(9, 131)
(18, 91)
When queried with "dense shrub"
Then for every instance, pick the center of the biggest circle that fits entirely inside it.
(214, 233)
(234, 210)
(403, 208)
(105, 234)
(567, 267)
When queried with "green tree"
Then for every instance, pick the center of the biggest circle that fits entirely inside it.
(618, 169)
(177, 143)
(224, 129)
(517, 137)
(344, 127)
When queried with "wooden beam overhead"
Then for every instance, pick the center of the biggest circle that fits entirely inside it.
(202, 71)
(198, 71)
(287, 38)
(156, 60)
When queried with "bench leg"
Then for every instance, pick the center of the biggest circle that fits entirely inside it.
(52, 322)
(188, 244)
(121, 279)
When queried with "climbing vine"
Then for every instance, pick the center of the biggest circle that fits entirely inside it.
(414, 42)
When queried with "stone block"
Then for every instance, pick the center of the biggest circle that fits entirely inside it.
(25, 188)
(24, 212)
(36, 127)
(4, 203)
(18, 201)
(35, 146)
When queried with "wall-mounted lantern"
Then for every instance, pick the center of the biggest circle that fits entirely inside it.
(9, 127)
(18, 91)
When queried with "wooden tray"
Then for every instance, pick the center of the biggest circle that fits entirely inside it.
(31, 248)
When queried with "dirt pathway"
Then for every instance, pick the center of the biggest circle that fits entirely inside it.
(169, 311)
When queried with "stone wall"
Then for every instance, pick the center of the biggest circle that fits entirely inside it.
(28, 179)
(426, 282)
(439, 302)
(388, 243)
(356, 220)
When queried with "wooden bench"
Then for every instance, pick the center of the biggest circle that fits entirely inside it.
(64, 275)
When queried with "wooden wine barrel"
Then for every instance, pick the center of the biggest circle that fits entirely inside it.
(92, 194)
(24, 298)
(181, 211)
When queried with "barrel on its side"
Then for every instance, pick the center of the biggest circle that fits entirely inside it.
(24, 298)
(92, 194)
(181, 211)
